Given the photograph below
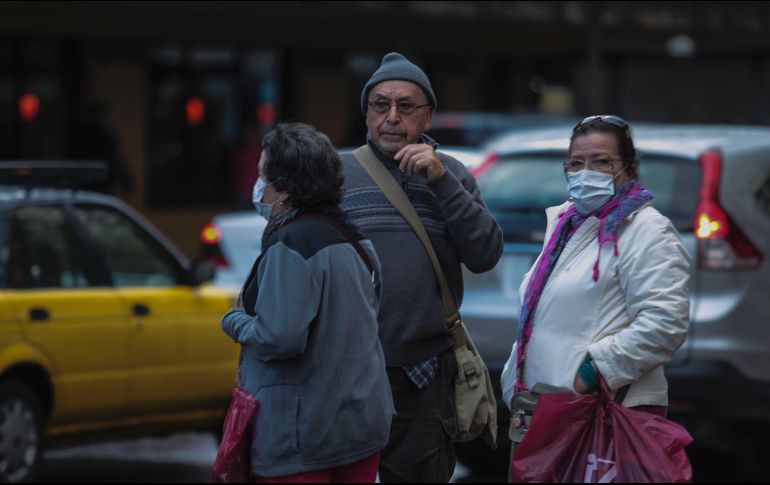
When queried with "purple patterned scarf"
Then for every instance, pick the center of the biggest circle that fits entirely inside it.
(628, 199)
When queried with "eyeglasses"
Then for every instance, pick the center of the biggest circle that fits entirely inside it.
(609, 119)
(600, 164)
(403, 107)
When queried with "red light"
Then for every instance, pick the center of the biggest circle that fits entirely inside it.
(195, 109)
(211, 234)
(711, 163)
(488, 162)
(29, 107)
(711, 222)
(266, 114)
(722, 245)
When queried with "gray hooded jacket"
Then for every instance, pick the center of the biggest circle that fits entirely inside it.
(311, 353)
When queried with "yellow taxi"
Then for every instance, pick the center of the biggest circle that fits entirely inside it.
(104, 326)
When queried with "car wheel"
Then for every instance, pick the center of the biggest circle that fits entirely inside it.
(21, 435)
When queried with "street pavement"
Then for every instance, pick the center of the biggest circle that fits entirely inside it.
(188, 457)
(184, 457)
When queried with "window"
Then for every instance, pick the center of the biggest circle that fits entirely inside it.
(132, 256)
(7, 115)
(194, 123)
(763, 196)
(517, 191)
(37, 80)
(208, 105)
(44, 251)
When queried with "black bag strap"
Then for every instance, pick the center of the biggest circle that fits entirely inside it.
(347, 234)
(621, 394)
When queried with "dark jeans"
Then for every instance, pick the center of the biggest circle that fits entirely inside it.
(421, 447)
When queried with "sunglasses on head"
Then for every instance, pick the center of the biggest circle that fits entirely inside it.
(608, 119)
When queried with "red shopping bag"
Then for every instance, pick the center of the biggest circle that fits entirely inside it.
(591, 439)
(232, 463)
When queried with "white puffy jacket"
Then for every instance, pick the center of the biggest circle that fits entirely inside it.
(631, 321)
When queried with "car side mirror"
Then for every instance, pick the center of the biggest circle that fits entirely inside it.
(201, 272)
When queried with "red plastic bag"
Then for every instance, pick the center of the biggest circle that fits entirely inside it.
(232, 463)
(591, 439)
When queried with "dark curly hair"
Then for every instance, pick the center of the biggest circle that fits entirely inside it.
(302, 162)
(626, 148)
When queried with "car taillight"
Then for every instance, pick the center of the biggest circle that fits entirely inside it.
(722, 245)
(488, 162)
(211, 236)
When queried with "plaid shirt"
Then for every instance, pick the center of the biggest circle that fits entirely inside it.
(423, 373)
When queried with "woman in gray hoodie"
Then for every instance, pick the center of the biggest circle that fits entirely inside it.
(311, 354)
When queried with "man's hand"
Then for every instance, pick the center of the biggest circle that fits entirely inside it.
(420, 159)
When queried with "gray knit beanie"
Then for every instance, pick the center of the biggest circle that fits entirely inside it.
(396, 67)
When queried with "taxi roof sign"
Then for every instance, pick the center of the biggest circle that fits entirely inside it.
(53, 173)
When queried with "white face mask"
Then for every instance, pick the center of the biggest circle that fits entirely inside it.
(256, 197)
(590, 190)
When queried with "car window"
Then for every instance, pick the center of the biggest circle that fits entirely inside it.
(517, 190)
(472, 129)
(132, 256)
(461, 137)
(763, 196)
(45, 251)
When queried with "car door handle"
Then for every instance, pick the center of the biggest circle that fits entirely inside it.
(39, 315)
(140, 310)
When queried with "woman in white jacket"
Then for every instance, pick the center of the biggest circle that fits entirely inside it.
(608, 294)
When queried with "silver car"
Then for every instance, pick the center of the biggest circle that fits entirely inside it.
(713, 182)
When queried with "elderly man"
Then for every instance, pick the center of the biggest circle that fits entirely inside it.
(399, 104)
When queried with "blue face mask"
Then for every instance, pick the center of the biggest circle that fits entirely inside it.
(256, 197)
(590, 190)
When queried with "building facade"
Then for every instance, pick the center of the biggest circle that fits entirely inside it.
(177, 94)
